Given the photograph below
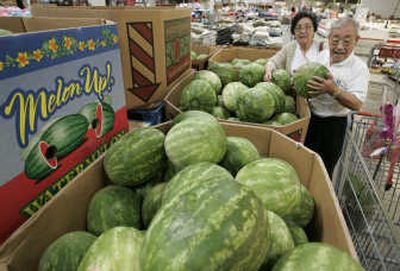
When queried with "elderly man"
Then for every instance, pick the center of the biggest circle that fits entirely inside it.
(344, 90)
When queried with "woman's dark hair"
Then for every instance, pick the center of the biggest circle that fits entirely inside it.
(304, 14)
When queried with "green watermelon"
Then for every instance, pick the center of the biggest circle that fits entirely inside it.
(277, 92)
(231, 93)
(305, 73)
(317, 257)
(261, 61)
(198, 95)
(100, 117)
(285, 118)
(303, 209)
(113, 206)
(298, 234)
(5, 32)
(212, 225)
(66, 252)
(220, 100)
(255, 105)
(274, 181)
(193, 114)
(241, 61)
(225, 72)
(251, 74)
(239, 152)
(152, 202)
(212, 78)
(281, 238)
(290, 104)
(195, 140)
(220, 112)
(281, 78)
(116, 249)
(41, 161)
(193, 175)
(137, 158)
(193, 55)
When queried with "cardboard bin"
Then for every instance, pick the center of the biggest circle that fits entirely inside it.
(296, 130)
(154, 42)
(202, 49)
(62, 104)
(228, 54)
(67, 211)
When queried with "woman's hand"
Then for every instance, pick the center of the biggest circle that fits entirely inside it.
(268, 72)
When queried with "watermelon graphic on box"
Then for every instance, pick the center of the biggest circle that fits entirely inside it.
(62, 105)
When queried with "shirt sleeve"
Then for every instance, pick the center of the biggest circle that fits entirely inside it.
(359, 85)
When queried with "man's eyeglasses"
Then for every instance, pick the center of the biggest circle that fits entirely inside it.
(301, 27)
(346, 42)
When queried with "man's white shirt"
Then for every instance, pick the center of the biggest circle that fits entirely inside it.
(350, 75)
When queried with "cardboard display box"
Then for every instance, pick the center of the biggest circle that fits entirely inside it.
(228, 54)
(296, 130)
(154, 42)
(67, 211)
(202, 49)
(62, 104)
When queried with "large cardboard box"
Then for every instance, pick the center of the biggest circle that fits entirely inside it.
(201, 64)
(67, 211)
(228, 54)
(154, 42)
(296, 130)
(62, 104)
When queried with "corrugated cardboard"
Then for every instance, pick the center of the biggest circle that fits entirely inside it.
(228, 54)
(202, 49)
(296, 130)
(154, 42)
(47, 78)
(67, 211)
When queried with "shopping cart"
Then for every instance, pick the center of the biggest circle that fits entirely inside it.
(368, 188)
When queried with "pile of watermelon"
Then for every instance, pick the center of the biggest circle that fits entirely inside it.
(195, 199)
(235, 91)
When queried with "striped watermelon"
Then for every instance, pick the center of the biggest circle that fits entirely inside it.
(298, 234)
(277, 93)
(255, 105)
(66, 252)
(239, 152)
(317, 257)
(41, 161)
(116, 249)
(290, 104)
(275, 181)
(193, 114)
(281, 78)
(281, 240)
(231, 93)
(113, 206)
(137, 158)
(195, 140)
(152, 202)
(198, 95)
(212, 78)
(213, 225)
(193, 175)
(303, 210)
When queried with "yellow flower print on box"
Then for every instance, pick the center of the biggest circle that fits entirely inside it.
(22, 59)
(67, 42)
(37, 55)
(1, 66)
(91, 45)
(53, 45)
(115, 38)
(82, 46)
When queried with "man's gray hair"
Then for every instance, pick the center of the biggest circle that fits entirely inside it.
(341, 22)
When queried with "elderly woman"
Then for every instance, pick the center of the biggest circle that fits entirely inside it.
(300, 51)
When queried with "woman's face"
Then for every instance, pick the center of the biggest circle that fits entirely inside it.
(304, 32)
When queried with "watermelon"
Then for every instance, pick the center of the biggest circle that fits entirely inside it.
(298, 234)
(212, 225)
(137, 158)
(113, 206)
(317, 257)
(202, 57)
(285, 118)
(100, 117)
(66, 252)
(220, 112)
(251, 74)
(261, 61)
(225, 72)
(239, 152)
(193, 114)
(152, 202)
(305, 73)
(220, 100)
(198, 95)
(242, 61)
(255, 105)
(281, 238)
(41, 161)
(231, 93)
(195, 140)
(274, 181)
(281, 78)
(193, 55)
(290, 104)
(277, 92)
(116, 249)
(303, 209)
(212, 78)
(193, 175)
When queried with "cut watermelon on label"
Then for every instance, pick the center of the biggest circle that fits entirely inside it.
(41, 161)
(100, 117)
(48, 153)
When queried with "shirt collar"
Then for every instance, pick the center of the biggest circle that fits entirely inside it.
(345, 62)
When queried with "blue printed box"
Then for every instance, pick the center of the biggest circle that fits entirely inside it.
(62, 104)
